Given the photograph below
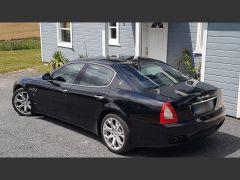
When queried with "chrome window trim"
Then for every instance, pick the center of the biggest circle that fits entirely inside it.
(203, 101)
(80, 80)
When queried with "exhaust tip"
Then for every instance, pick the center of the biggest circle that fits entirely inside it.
(176, 139)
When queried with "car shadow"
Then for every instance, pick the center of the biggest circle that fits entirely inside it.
(217, 145)
(70, 127)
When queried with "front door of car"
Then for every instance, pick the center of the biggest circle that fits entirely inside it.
(87, 99)
(54, 99)
(54, 95)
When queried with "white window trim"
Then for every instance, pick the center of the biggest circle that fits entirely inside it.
(64, 44)
(199, 40)
(114, 42)
(204, 52)
(238, 102)
(41, 42)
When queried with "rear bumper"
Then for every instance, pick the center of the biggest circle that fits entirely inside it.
(155, 135)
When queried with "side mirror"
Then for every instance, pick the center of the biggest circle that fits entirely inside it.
(46, 76)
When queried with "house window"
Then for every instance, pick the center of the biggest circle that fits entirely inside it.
(65, 34)
(114, 33)
(157, 25)
(199, 41)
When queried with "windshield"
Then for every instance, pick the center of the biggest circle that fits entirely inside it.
(138, 78)
(161, 73)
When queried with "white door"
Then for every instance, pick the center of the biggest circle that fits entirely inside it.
(156, 41)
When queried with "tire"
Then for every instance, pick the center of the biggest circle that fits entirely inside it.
(119, 131)
(21, 102)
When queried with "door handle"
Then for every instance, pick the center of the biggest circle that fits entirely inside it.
(99, 97)
(65, 90)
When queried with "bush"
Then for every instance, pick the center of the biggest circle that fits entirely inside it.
(58, 60)
(188, 65)
(20, 44)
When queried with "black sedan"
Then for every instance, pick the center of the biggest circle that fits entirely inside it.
(127, 102)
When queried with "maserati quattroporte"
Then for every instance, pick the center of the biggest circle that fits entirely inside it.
(127, 102)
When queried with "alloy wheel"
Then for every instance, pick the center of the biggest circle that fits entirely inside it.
(22, 103)
(113, 133)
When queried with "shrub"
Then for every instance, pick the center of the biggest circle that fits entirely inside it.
(58, 60)
(188, 65)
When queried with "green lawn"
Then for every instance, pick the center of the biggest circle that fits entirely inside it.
(21, 59)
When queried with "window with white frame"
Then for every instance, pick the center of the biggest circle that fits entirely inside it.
(65, 34)
(114, 33)
(199, 41)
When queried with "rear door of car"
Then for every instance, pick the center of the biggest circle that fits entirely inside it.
(88, 97)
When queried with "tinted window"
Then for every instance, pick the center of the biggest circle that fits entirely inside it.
(96, 75)
(137, 78)
(161, 73)
(68, 73)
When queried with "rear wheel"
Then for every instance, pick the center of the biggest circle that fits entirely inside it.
(21, 102)
(115, 134)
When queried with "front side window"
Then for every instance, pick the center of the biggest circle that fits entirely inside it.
(68, 73)
(65, 34)
(96, 75)
(161, 73)
(114, 33)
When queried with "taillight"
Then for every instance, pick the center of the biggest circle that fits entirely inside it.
(168, 114)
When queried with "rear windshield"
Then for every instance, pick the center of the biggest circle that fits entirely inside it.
(161, 73)
(138, 78)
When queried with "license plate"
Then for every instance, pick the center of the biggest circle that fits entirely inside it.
(203, 106)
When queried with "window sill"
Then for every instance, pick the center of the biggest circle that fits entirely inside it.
(65, 45)
(114, 44)
(197, 51)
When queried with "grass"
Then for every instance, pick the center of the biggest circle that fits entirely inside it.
(20, 44)
(21, 59)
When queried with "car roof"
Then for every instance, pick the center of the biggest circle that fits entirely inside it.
(113, 60)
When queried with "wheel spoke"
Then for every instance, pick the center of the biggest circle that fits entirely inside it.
(18, 100)
(106, 128)
(108, 136)
(114, 142)
(25, 108)
(119, 141)
(29, 106)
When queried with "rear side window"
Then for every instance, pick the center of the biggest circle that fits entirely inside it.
(96, 75)
(68, 73)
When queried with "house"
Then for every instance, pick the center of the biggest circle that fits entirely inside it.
(215, 45)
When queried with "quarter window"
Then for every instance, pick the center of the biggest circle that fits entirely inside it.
(96, 75)
(68, 73)
(65, 34)
(114, 33)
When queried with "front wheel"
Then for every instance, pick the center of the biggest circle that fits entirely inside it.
(21, 102)
(115, 134)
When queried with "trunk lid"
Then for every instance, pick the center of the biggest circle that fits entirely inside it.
(191, 99)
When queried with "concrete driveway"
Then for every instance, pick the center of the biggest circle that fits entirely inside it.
(41, 136)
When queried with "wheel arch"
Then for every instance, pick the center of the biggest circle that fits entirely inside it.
(18, 86)
(106, 112)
